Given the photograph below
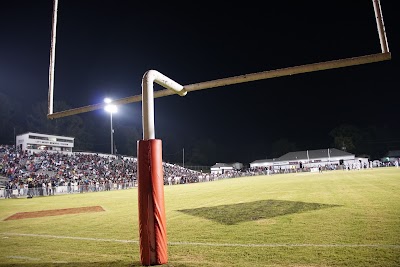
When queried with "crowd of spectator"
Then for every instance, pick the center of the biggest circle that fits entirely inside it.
(47, 173)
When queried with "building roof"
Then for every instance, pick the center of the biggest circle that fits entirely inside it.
(308, 155)
(45, 134)
(314, 154)
(222, 165)
(393, 153)
(263, 161)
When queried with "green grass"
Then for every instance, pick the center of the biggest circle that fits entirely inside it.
(341, 218)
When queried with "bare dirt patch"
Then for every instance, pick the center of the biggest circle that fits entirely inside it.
(44, 213)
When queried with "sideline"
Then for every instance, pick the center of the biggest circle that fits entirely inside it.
(208, 244)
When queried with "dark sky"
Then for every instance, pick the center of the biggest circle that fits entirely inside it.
(105, 47)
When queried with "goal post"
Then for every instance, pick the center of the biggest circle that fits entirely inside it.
(152, 221)
(340, 63)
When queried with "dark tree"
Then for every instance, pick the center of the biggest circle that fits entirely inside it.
(203, 153)
(10, 123)
(381, 139)
(281, 147)
(126, 138)
(347, 138)
(72, 126)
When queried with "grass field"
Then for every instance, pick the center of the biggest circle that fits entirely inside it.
(340, 218)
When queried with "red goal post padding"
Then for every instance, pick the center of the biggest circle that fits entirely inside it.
(152, 220)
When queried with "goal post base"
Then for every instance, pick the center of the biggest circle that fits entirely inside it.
(152, 219)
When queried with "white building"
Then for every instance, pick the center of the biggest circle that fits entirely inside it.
(391, 157)
(35, 142)
(309, 159)
(220, 168)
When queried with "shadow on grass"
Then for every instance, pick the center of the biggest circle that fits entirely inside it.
(251, 211)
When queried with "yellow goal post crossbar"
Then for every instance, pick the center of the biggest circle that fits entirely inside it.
(333, 64)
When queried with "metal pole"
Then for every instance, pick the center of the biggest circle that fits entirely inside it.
(112, 133)
(381, 26)
(150, 77)
(273, 165)
(329, 156)
(52, 58)
(183, 158)
(148, 95)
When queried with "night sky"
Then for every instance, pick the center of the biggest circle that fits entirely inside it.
(104, 48)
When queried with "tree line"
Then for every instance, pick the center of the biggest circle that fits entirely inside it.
(94, 135)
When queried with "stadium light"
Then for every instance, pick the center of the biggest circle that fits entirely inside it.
(111, 109)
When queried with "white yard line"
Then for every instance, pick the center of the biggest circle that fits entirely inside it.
(208, 244)
(72, 237)
(23, 258)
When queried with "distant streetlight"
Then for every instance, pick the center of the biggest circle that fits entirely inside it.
(111, 109)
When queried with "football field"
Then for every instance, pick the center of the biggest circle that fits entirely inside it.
(338, 218)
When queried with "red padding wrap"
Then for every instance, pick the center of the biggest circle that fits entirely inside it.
(152, 222)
